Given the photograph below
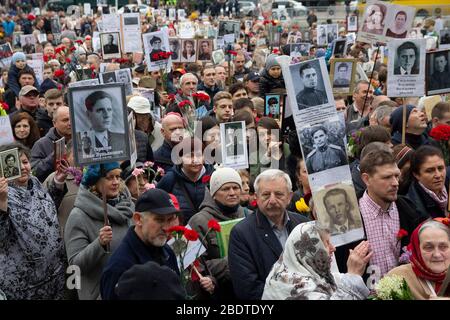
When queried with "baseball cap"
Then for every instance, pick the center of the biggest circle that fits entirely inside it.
(156, 201)
(252, 76)
(140, 105)
(180, 70)
(26, 90)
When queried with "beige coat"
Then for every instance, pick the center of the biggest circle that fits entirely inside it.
(418, 286)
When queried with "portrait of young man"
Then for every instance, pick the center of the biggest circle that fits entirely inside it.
(407, 59)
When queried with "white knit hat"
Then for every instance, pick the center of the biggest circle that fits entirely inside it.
(222, 176)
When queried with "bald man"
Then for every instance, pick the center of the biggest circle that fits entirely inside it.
(42, 153)
(173, 131)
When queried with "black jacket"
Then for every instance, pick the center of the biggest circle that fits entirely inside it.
(130, 252)
(163, 156)
(144, 150)
(267, 83)
(424, 204)
(42, 155)
(44, 122)
(210, 91)
(253, 250)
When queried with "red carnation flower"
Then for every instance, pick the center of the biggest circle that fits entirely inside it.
(177, 229)
(206, 179)
(274, 23)
(45, 58)
(232, 52)
(79, 41)
(5, 106)
(191, 235)
(58, 73)
(201, 96)
(68, 60)
(254, 203)
(92, 67)
(401, 233)
(276, 51)
(58, 50)
(171, 97)
(73, 49)
(184, 103)
(214, 225)
(441, 132)
(266, 22)
(155, 57)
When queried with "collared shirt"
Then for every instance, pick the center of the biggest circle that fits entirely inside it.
(281, 234)
(102, 137)
(403, 71)
(381, 230)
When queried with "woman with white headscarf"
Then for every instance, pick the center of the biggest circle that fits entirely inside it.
(303, 271)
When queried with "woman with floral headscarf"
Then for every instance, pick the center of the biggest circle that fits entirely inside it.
(429, 251)
(303, 271)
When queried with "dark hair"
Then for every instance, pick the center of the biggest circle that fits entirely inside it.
(184, 52)
(34, 130)
(374, 159)
(440, 109)
(21, 149)
(191, 145)
(373, 134)
(154, 39)
(94, 97)
(304, 67)
(236, 87)
(407, 45)
(318, 128)
(421, 155)
(9, 156)
(208, 123)
(268, 123)
(26, 71)
(272, 101)
(335, 192)
(342, 65)
(401, 12)
(241, 103)
(244, 115)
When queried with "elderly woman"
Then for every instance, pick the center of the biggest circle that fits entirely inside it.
(86, 236)
(32, 260)
(375, 19)
(429, 261)
(303, 271)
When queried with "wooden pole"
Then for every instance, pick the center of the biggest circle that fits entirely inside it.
(370, 79)
(105, 206)
(404, 124)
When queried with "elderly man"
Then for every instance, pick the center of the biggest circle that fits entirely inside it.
(42, 153)
(221, 203)
(173, 130)
(257, 242)
(359, 109)
(28, 101)
(145, 241)
(310, 95)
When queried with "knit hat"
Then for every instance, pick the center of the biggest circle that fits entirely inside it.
(222, 176)
(127, 169)
(149, 281)
(396, 119)
(271, 61)
(93, 173)
(18, 56)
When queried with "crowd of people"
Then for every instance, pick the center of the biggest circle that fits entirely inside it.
(103, 231)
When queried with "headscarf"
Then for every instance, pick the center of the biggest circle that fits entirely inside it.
(418, 265)
(303, 271)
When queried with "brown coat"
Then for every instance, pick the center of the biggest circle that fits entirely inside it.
(67, 202)
(418, 286)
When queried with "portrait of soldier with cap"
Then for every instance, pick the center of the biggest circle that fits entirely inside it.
(155, 43)
(109, 43)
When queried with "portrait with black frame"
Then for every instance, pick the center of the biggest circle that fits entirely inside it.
(274, 107)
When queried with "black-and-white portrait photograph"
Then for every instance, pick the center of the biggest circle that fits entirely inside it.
(339, 47)
(323, 146)
(10, 164)
(294, 50)
(172, 14)
(322, 35)
(406, 59)
(108, 77)
(337, 208)
(5, 51)
(130, 21)
(99, 114)
(308, 79)
(188, 50)
(28, 43)
(342, 74)
(352, 23)
(332, 32)
(415, 33)
(234, 148)
(124, 76)
(155, 43)
(175, 46)
(444, 38)
(438, 72)
(399, 22)
(229, 27)
(204, 49)
(110, 43)
(374, 19)
(218, 56)
(55, 25)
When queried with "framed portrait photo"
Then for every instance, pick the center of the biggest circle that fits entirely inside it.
(28, 43)
(230, 27)
(204, 49)
(99, 123)
(437, 72)
(444, 39)
(274, 107)
(175, 46)
(188, 50)
(352, 23)
(339, 48)
(342, 74)
(10, 164)
(234, 144)
(110, 44)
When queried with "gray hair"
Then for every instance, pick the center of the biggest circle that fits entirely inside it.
(435, 225)
(374, 146)
(272, 174)
(383, 111)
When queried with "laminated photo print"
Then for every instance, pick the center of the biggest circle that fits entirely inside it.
(110, 45)
(234, 144)
(10, 164)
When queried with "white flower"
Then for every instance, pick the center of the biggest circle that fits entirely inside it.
(387, 286)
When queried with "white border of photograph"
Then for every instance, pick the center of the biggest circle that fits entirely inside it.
(240, 161)
(3, 155)
(157, 65)
(118, 43)
(429, 68)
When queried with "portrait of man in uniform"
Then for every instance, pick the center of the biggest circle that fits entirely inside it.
(341, 75)
(110, 47)
(310, 95)
(324, 155)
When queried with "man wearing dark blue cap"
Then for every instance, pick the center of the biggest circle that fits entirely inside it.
(251, 82)
(144, 242)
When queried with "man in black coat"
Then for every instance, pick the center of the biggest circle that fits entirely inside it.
(257, 242)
